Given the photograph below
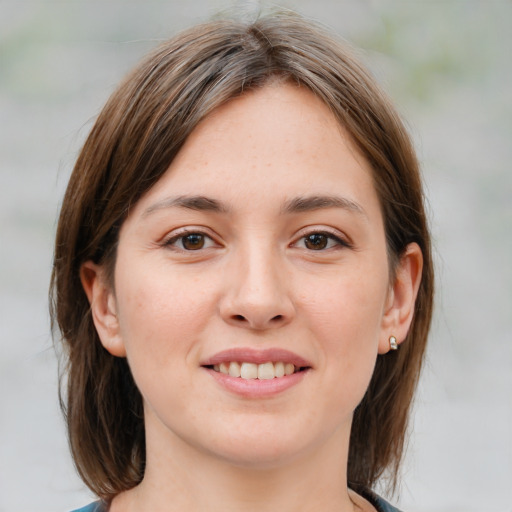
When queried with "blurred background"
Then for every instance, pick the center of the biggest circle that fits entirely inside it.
(448, 66)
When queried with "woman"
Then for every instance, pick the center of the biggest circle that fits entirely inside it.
(243, 278)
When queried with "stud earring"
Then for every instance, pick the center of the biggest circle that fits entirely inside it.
(393, 345)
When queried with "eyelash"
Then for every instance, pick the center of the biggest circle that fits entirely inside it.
(170, 242)
(330, 238)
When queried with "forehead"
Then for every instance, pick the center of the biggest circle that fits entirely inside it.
(280, 141)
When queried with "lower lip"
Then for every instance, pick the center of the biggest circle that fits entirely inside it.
(256, 388)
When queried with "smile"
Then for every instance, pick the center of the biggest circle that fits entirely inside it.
(264, 371)
(257, 373)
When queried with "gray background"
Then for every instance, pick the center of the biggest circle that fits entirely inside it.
(448, 66)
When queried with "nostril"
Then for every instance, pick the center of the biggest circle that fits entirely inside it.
(257, 320)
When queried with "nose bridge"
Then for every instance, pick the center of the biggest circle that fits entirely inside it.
(258, 295)
(260, 273)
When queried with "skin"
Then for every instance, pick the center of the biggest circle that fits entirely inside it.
(257, 283)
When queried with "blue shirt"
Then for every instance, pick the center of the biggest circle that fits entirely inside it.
(97, 506)
(380, 504)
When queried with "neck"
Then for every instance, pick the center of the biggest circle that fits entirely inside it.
(186, 479)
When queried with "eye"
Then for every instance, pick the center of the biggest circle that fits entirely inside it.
(190, 241)
(319, 241)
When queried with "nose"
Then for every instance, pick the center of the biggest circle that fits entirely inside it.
(257, 294)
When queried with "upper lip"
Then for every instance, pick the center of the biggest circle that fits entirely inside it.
(256, 356)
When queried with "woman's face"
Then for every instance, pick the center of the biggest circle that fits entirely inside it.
(263, 243)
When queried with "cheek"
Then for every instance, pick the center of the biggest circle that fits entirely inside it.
(161, 320)
(349, 306)
(160, 314)
(346, 321)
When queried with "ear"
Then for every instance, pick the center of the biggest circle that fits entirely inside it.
(103, 307)
(402, 297)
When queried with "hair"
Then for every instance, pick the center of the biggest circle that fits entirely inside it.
(134, 140)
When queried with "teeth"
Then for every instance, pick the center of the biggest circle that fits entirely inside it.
(249, 371)
(265, 371)
(234, 369)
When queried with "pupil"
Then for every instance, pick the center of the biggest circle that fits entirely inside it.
(193, 241)
(316, 241)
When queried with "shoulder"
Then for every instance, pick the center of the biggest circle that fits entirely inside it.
(97, 506)
(380, 504)
(384, 506)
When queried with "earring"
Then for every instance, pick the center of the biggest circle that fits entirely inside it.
(393, 345)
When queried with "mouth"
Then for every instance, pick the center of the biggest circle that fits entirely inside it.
(256, 364)
(252, 371)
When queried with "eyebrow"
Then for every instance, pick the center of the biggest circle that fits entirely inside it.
(295, 205)
(310, 203)
(198, 203)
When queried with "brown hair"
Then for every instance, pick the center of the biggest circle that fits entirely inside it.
(135, 138)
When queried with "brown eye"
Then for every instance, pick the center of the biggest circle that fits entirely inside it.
(320, 241)
(316, 241)
(193, 241)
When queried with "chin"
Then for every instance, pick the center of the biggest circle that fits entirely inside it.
(257, 455)
(264, 444)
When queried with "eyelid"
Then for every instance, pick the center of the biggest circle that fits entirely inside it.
(341, 239)
(172, 237)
